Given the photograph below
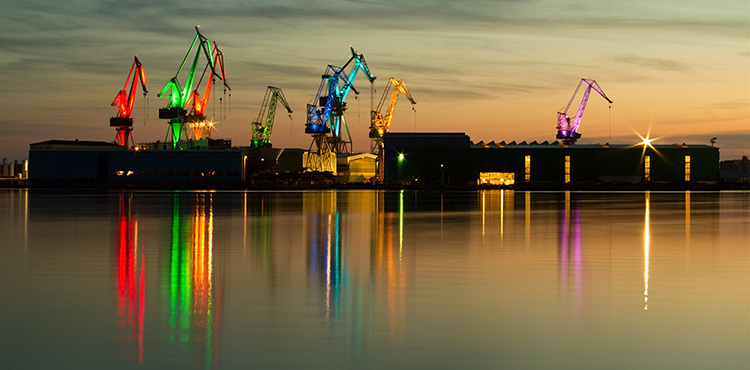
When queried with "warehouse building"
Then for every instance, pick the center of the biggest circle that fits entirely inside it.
(94, 163)
(452, 159)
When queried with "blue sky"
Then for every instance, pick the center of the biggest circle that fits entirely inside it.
(497, 70)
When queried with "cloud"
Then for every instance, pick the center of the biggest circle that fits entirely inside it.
(658, 64)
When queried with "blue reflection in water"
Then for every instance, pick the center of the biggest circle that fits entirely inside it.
(325, 247)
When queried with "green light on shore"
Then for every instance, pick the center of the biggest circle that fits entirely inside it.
(400, 157)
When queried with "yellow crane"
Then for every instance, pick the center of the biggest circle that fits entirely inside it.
(381, 123)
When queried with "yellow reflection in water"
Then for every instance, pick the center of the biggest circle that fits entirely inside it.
(527, 227)
(646, 248)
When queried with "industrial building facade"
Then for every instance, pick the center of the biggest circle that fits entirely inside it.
(87, 163)
(452, 159)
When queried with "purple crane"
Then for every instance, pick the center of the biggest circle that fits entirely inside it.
(567, 131)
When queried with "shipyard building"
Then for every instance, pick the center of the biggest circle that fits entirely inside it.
(452, 159)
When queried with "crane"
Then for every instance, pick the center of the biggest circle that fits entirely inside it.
(124, 102)
(196, 119)
(569, 131)
(179, 97)
(325, 118)
(381, 124)
(261, 131)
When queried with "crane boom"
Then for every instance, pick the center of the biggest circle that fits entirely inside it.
(180, 96)
(261, 131)
(569, 131)
(124, 101)
(379, 123)
(196, 119)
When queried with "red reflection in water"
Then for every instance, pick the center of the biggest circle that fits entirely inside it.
(131, 267)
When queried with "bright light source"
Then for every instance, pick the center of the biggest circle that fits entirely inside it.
(646, 141)
(400, 156)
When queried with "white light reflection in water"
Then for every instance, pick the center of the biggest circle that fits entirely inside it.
(646, 248)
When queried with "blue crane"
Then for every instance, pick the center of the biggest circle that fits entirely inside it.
(326, 119)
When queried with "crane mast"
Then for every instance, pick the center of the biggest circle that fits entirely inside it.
(566, 130)
(179, 96)
(325, 117)
(262, 128)
(124, 102)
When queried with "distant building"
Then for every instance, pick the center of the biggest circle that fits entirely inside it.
(14, 170)
(737, 170)
(452, 159)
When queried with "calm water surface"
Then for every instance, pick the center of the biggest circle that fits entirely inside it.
(373, 279)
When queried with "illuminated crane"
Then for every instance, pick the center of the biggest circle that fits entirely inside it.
(325, 124)
(261, 131)
(124, 102)
(381, 124)
(196, 119)
(180, 97)
(569, 131)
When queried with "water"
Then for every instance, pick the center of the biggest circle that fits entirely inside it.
(372, 279)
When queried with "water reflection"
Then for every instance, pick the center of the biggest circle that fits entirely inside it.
(131, 280)
(194, 309)
(571, 258)
(373, 278)
(646, 248)
(324, 241)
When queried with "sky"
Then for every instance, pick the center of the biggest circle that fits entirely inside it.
(677, 70)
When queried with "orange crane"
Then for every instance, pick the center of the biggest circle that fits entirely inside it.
(381, 123)
(196, 119)
(124, 102)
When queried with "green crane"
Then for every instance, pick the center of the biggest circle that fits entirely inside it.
(262, 128)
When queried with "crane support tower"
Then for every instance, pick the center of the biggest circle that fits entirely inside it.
(380, 123)
(325, 116)
(124, 102)
(181, 96)
(263, 125)
(566, 130)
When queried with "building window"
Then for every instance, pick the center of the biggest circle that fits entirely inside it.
(496, 178)
(527, 166)
(647, 168)
(567, 169)
(687, 168)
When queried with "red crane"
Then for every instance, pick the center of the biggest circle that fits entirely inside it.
(124, 102)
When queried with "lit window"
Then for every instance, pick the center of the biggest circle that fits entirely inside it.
(687, 168)
(496, 178)
(647, 168)
(567, 169)
(527, 166)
